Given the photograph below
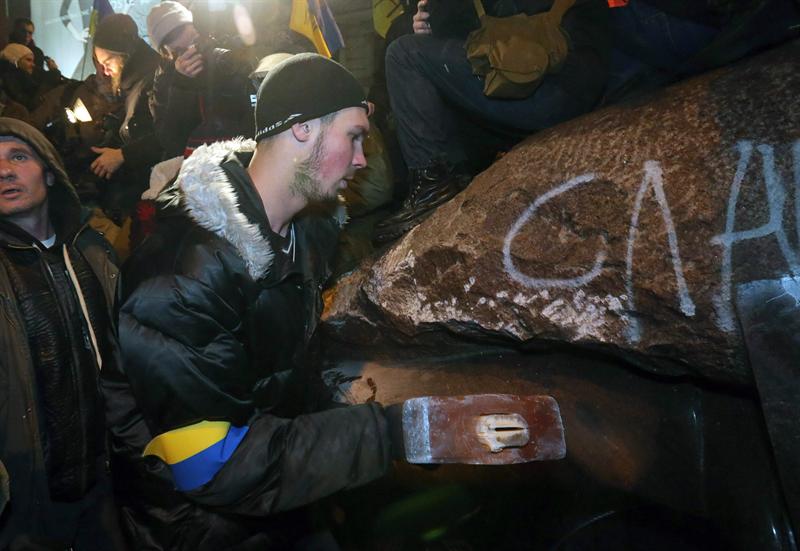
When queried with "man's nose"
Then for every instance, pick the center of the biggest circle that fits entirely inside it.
(359, 159)
(6, 169)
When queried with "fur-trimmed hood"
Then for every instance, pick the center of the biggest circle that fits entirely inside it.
(211, 201)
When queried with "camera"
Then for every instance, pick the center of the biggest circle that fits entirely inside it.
(204, 45)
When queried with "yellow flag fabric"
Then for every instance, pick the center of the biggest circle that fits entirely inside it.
(179, 444)
(383, 13)
(195, 454)
(303, 21)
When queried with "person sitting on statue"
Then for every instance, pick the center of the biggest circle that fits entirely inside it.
(434, 93)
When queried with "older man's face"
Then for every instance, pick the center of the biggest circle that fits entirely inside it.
(26, 63)
(23, 190)
(112, 64)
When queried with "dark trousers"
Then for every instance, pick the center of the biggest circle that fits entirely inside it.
(89, 524)
(650, 39)
(430, 80)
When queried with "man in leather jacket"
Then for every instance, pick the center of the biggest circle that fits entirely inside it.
(57, 283)
(219, 306)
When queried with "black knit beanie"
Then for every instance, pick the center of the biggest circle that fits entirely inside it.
(118, 33)
(301, 88)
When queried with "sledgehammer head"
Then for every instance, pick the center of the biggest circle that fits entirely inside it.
(482, 429)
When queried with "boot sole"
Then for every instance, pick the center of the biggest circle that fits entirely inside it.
(398, 230)
(396, 220)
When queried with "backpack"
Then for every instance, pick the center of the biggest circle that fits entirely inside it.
(513, 54)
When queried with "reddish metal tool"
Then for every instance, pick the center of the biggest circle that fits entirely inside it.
(482, 429)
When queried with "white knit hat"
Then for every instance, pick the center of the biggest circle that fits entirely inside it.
(165, 18)
(14, 52)
(267, 63)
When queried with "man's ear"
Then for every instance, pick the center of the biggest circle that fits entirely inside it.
(301, 131)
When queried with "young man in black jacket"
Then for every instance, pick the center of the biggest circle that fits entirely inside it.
(219, 306)
(57, 284)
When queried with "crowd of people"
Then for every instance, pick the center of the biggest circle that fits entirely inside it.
(177, 403)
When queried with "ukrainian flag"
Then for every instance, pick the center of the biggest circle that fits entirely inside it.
(100, 8)
(383, 13)
(196, 453)
(314, 20)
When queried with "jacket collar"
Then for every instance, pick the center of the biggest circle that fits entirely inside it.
(212, 202)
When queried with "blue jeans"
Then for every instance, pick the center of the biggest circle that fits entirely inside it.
(648, 38)
(428, 77)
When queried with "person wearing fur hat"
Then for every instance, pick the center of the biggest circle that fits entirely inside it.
(58, 281)
(130, 64)
(201, 93)
(220, 307)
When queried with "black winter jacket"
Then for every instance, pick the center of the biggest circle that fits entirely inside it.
(214, 106)
(140, 146)
(214, 326)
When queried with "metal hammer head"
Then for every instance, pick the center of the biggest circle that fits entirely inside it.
(482, 429)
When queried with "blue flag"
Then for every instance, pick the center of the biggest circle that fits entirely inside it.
(314, 20)
(100, 9)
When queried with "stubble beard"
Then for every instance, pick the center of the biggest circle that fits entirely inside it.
(306, 181)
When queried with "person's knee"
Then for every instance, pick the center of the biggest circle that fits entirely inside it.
(401, 51)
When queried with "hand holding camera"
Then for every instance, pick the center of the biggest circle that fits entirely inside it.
(191, 62)
(446, 18)
(421, 25)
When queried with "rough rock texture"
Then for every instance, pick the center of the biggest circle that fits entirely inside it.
(626, 230)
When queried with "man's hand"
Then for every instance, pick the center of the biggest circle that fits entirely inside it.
(108, 162)
(421, 25)
(190, 62)
(51, 64)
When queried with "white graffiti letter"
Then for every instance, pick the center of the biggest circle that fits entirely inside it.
(654, 178)
(508, 262)
(776, 199)
(796, 158)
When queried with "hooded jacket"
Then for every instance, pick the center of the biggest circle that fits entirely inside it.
(214, 327)
(22, 421)
(140, 146)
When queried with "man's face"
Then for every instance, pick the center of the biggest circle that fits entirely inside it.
(25, 63)
(112, 64)
(188, 35)
(29, 34)
(335, 156)
(23, 191)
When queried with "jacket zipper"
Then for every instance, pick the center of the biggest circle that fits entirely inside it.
(75, 359)
(110, 312)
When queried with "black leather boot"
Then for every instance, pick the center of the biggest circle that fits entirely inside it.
(429, 187)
